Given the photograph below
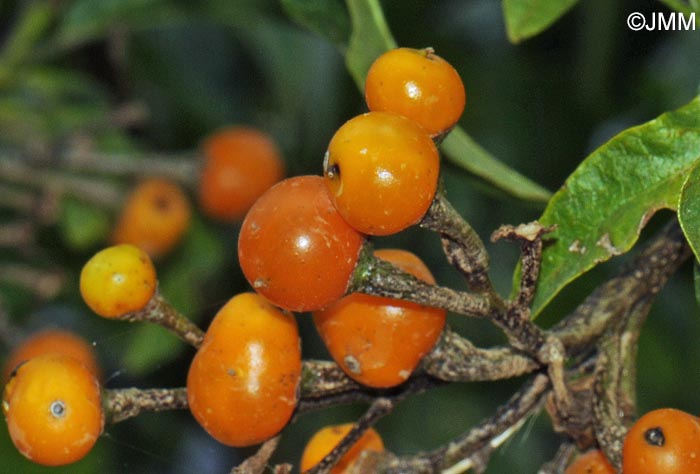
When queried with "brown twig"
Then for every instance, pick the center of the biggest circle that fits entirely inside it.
(125, 403)
(257, 462)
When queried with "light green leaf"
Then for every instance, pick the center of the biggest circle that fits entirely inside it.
(526, 18)
(606, 202)
(689, 209)
(696, 281)
(327, 18)
(370, 37)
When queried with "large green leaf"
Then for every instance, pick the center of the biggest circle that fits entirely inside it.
(689, 209)
(527, 18)
(604, 204)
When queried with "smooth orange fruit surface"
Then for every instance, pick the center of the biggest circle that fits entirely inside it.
(664, 441)
(380, 341)
(328, 438)
(53, 409)
(53, 340)
(382, 172)
(295, 249)
(592, 462)
(241, 164)
(242, 383)
(418, 84)
(118, 280)
(154, 217)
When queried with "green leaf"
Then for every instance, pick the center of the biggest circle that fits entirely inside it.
(689, 209)
(606, 202)
(526, 18)
(370, 38)
(83, 225)
(696, 281)
(326, 18)
(462, 150)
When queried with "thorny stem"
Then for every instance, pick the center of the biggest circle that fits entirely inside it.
(159, 311)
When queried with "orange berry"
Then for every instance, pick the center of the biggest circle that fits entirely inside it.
(241, 164)
(382, 172)
(664, 441)
(417, 84)
(295, 249)
(154, 218)
(242, 384)
(592, 462)
(328, 438)
(53, 409)
(118, 280)
(380, 341)
(53, 340)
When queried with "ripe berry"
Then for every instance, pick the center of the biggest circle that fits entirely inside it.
(327, 438)
(382, 172)
(242, 384)
(664, 441)
(241, 164)
(380, 341)
(53, 340)
(417, 84)
(118, 280)
(154, 218)
(294, 247)
(53, 409)
(592, 462)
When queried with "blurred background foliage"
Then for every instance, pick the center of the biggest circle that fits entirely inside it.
(72, 70)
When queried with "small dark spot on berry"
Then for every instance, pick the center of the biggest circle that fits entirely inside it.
(333, 171)
(655, 436)
(162, 203)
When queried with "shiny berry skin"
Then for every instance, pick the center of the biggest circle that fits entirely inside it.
(53, 409)
(241, 163)
(328, 438)
(592, 462)
(118, 280)
(294, 247)
(382, 172)
(154, 217)
(380, 341)
(417, 84)
(664, 441)
(53, 340)
(242, 383)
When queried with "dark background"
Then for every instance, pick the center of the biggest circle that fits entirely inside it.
(540, 107)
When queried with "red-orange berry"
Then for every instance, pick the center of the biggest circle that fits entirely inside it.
(154, 217)
(242, 384)
(294, 247)
(592, 462)
(382, 172)
(53, 409)
(664, 441)
(118, 280)
(418, 84)
(380, 341)
(53, 340)
(241, 164)
(328, 438)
